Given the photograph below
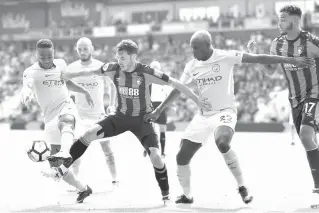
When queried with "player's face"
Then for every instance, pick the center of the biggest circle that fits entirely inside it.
(84, 51)
(285, 23)
(45, 57)
(201, 50)
(125, 60)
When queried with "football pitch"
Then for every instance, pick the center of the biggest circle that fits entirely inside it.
(276, 173)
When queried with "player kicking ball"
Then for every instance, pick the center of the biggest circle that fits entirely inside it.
(43, 81)
(96, 86)
(132, 81)
(212, 69)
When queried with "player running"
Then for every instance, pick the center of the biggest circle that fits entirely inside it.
(95, 85)
(132, 81)
(43, 81)
(303, 83)
(158, 94)
(212, 69)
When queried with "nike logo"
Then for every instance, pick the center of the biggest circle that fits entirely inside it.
(48, 75)
(195, 74)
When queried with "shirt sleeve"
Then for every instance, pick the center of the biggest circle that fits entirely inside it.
(108, 69)
(235, 56)
(187, 77)
(155, 76)
(273, 48)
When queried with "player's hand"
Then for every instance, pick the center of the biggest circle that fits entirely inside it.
(252, 47)
(151, 117)
(89, 99)
(303, 62)
(204, 104)
(111, 109)
(66, 75)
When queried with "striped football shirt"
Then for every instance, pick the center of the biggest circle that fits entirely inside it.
(302, 82)
(133, 88)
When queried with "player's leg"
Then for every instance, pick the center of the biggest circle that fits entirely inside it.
(110, 160)
(307, 134)
(110, 126)
(195, 134)
(225, 127)
(292, 130)
(184, 156)
(147, 136)
(162, 128)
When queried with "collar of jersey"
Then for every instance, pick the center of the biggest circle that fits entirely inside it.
(210, 60)
(54, 66)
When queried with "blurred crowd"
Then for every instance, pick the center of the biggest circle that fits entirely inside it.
(254, 90)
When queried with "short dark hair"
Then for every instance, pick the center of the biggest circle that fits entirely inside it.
(44, 43)
(129, 46)
(291, 10)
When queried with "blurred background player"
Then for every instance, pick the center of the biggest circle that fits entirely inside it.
(158, 94)
(212, 69)
(303, 84)
(132, 81)
(43, 81)
(95, 85)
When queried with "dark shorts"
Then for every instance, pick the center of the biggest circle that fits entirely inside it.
(306, 113)
(162, 119)
(119, 123)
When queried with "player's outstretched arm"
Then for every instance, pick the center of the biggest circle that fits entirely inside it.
(203, 104)
(112, 95)
(275, 59)
(26, 93)
(74, 87)
(69, 75)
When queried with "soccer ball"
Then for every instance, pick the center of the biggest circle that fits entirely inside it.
(38, 151)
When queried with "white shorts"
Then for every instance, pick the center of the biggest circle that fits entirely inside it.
(52, 134)
(201, 127)
(85, 123)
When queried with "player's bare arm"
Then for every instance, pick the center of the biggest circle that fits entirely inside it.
(189, 93)
(26, 91)
(112, 94)
(275, 59)
(153, 116)
(74, 87)
(269, 69)
(69, 75)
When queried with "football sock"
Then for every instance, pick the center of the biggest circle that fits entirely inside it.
(77, 150)
(184, 177)
(162, 179)
(70, 179)
(313, 160)
(162, 141)
(233, 165)
(67, 138)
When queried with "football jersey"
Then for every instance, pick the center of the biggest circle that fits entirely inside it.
(214, 78)
(303, 82)
(94, 85)
(133, 88)
(48, 88)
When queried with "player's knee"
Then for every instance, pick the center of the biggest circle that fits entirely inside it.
(223, 137)
(55, 148)
(182, 159)
(306, 136)
(92, 134)
(155, 156)
(67, 123)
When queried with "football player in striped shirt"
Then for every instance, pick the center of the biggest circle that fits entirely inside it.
(303, 83)
(132, 81)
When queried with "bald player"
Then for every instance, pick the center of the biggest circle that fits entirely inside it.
(158, 94)
(43, 81)
(95, 85)
(212, 69)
